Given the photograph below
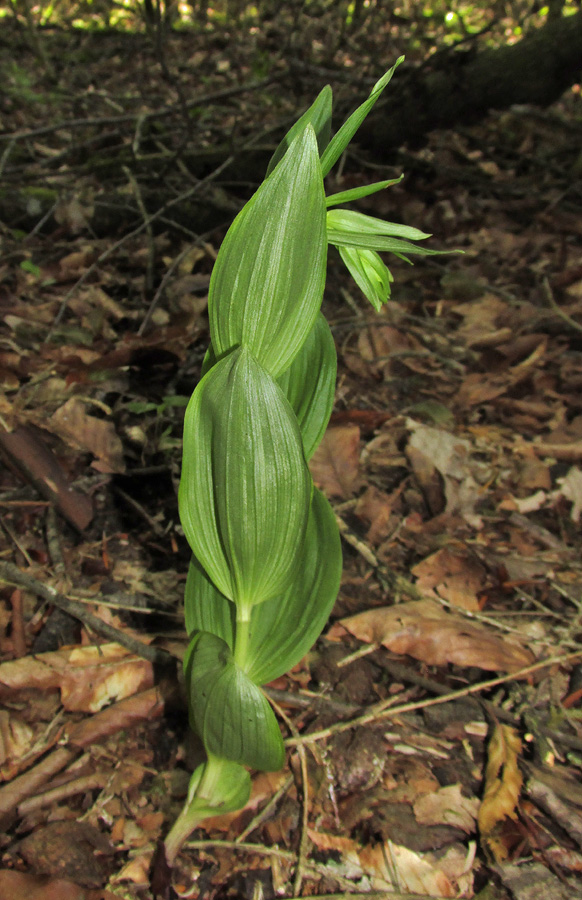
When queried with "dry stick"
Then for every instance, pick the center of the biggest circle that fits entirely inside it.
(149, 283)
(131, 234)
(304, 840)
(266, 811)
(557, 309)
(129, 117)
(381, 711)
(200, 239)
(10, 574)
(289, 856)
(80, 785)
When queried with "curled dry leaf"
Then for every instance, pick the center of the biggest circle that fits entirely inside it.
(426, 631)
(89, 677)
(455, 575)
(503, 782)
(431, 449)
(447, 806)
(23, 886)
(334, 465)
(78, 428)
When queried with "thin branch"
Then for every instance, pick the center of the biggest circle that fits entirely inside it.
(10, 574)
(206, 99)
(382, 711)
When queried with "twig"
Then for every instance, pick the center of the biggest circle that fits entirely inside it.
(199, 239)
(80, 785)
(131, 234)
(149, 283)
(549, 295)
(10, 574)
(304, 839)
(266, 811)
(212, 97)
(382, 711)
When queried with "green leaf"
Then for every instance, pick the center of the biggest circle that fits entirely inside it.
(268, 279)
(340, 141)
(309, 384)
(318, 115)
(381, 243)
(207, 609)
(208, 361)
(351, 222)
(286, 632)
(218, 786)
(357, 193)
(228, 711)
(245, 490)
(369, 272)
(283, 629)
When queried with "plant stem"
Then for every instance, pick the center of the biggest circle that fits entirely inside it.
(211, 791)
(189, 818)
(241, 640)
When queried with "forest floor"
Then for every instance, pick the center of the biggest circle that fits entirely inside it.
(434, 732)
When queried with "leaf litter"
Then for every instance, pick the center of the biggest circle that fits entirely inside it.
(453, 461)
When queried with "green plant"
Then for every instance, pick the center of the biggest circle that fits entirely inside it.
(266, 559)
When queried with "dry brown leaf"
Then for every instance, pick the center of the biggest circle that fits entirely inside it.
(16, 738)
(377, 507)
(503, 782)
(412, 872)
(432, 448)
(22, 886)
(422, 629)
(89, 677)
(447, 806)
(454, 575)
(97, 676)
(334, 465)
(77, 427)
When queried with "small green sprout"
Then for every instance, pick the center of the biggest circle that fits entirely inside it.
(267, 561)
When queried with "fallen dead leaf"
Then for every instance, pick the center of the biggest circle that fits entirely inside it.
(77, 427)
(503, 781)
(22, 886)
(392, 864)
(571, 489)
(426, 631)
(456, 575)
(334, 465)
(447, 806)
(88, 677)
(432, 448)
(377, 508)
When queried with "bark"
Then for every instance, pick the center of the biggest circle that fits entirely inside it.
(461, 87)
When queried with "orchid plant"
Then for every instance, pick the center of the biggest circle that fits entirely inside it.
(266, 555)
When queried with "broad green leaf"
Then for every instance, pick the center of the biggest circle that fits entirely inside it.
(218, 786)
(309, 384)
(318, 115)
(228, 711)
(208, 361)
(351, 222)
(282, 637)
(340, 141)
(283, 629)
(369, 272)
(245, 490)
(267, 282)
(207, 609)
(357, 193)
